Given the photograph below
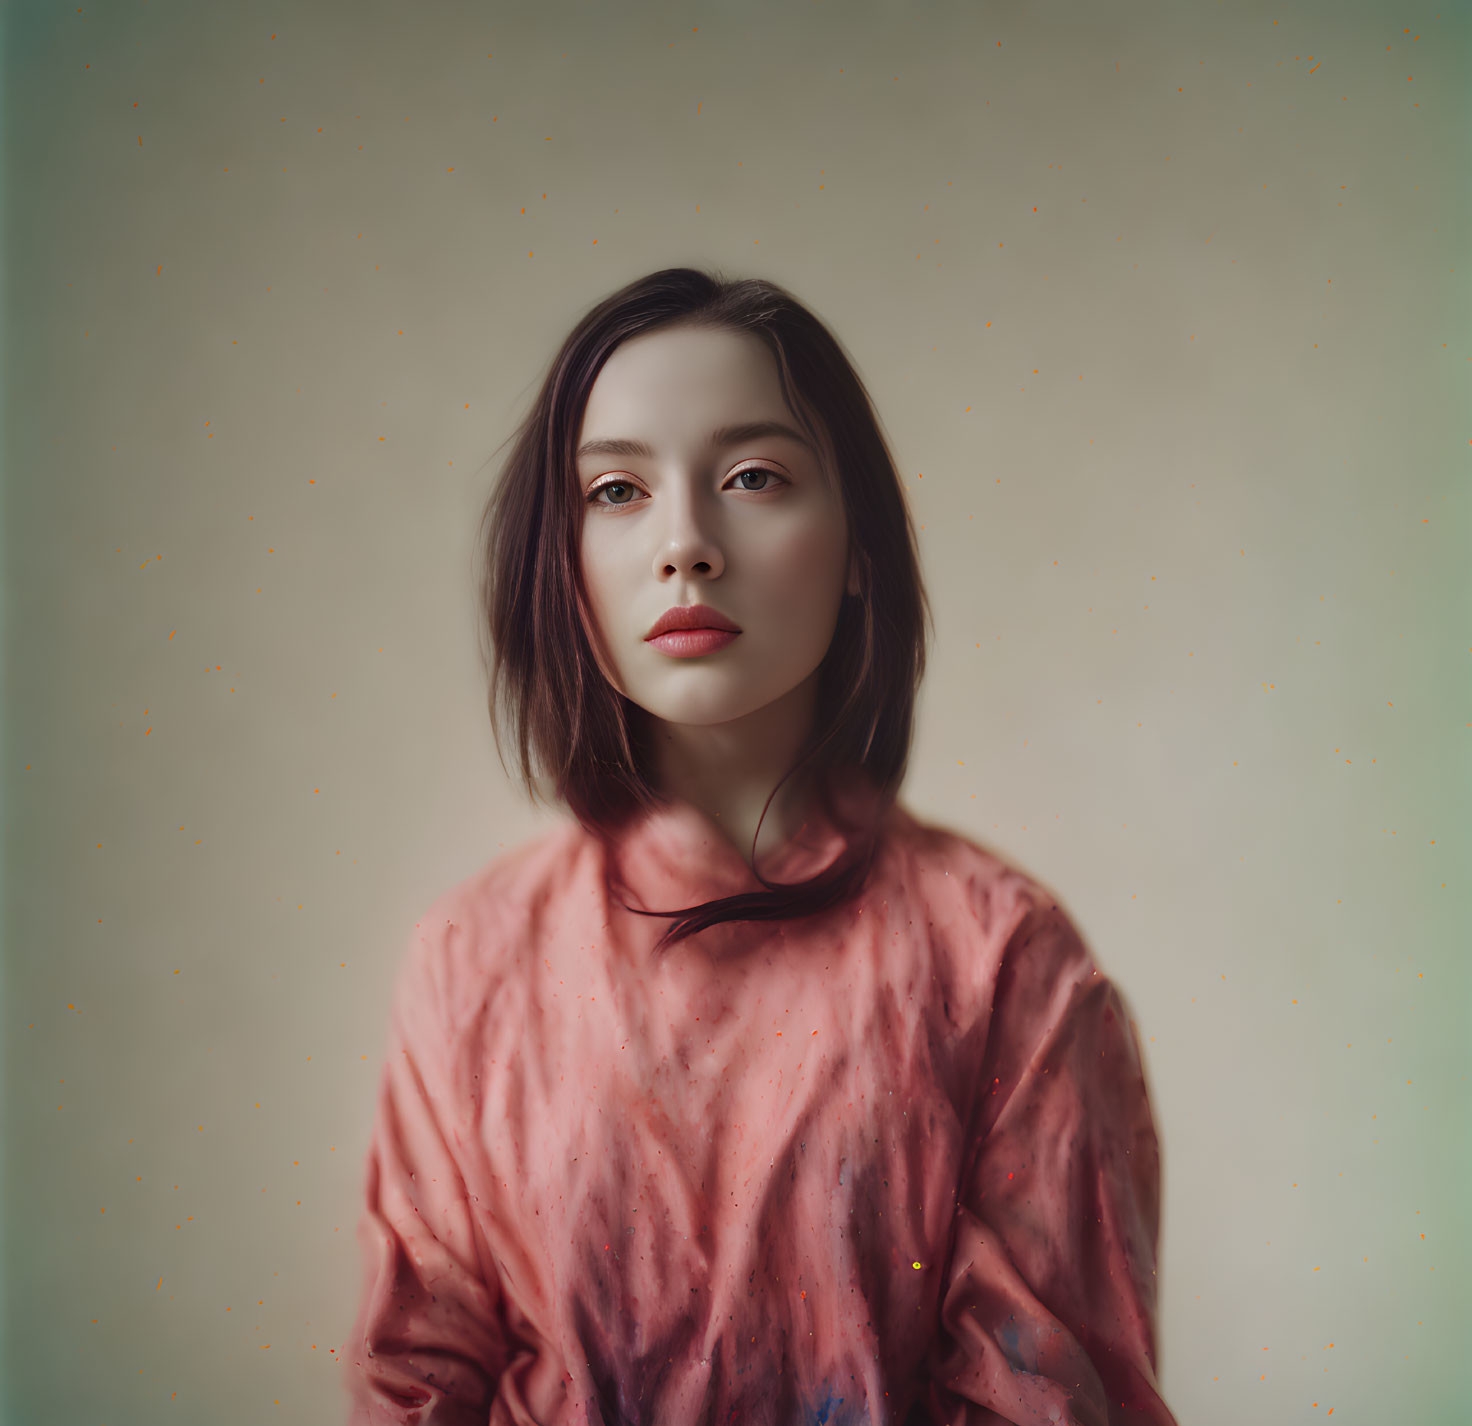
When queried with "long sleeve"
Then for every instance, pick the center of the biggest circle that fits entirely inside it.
(1047, 1315)
(428, 1344)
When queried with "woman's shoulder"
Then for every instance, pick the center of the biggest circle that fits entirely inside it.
(477, 928)
(996, 913)
(937, 858)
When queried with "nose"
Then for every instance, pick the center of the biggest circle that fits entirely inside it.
(688, 545)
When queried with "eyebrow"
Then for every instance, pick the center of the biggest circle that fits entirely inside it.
(725, 436)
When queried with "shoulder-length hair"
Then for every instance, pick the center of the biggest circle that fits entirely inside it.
(572, 727)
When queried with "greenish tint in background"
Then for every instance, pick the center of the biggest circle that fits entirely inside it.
(1165, 309)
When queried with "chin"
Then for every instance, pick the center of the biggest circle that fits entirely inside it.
(706, 712)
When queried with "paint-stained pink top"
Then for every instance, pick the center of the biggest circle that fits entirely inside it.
(893, 1163)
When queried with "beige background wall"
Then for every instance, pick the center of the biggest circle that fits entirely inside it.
(1165, 307)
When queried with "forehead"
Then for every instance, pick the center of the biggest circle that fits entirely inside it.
(682, 383)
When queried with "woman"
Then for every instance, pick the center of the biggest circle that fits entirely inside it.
(862, 1133)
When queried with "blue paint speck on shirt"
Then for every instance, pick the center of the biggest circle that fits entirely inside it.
(823, 1411)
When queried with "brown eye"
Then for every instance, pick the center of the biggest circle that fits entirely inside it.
(756, 470)
(612, 485)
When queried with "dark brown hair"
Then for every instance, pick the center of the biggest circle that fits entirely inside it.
(589, 739)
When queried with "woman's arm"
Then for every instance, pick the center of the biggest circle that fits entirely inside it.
(1048, 1311)
(429, 1344)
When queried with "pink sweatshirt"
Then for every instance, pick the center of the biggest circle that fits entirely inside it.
(892, 1163)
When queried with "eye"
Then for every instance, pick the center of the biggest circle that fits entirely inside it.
(754, 470)
(598, 490)
(770, 479)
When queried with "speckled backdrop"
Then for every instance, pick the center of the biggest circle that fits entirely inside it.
(1165, 307)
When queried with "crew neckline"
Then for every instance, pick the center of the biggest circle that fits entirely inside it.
(675, 855)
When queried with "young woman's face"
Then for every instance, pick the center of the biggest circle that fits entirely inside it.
(683, 507)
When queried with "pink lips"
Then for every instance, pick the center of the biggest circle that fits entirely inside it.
(686, 631)
(687, 643)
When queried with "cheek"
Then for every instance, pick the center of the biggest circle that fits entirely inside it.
(600, 578)
(804, 561)
(600, 614)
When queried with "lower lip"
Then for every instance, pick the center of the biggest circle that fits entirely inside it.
(691, 643)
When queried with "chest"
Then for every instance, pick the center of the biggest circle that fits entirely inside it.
(762, 1152)
(674, 1101)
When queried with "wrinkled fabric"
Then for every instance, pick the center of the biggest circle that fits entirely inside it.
(889, 1163)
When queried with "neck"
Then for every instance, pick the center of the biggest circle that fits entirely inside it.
(728, 770)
